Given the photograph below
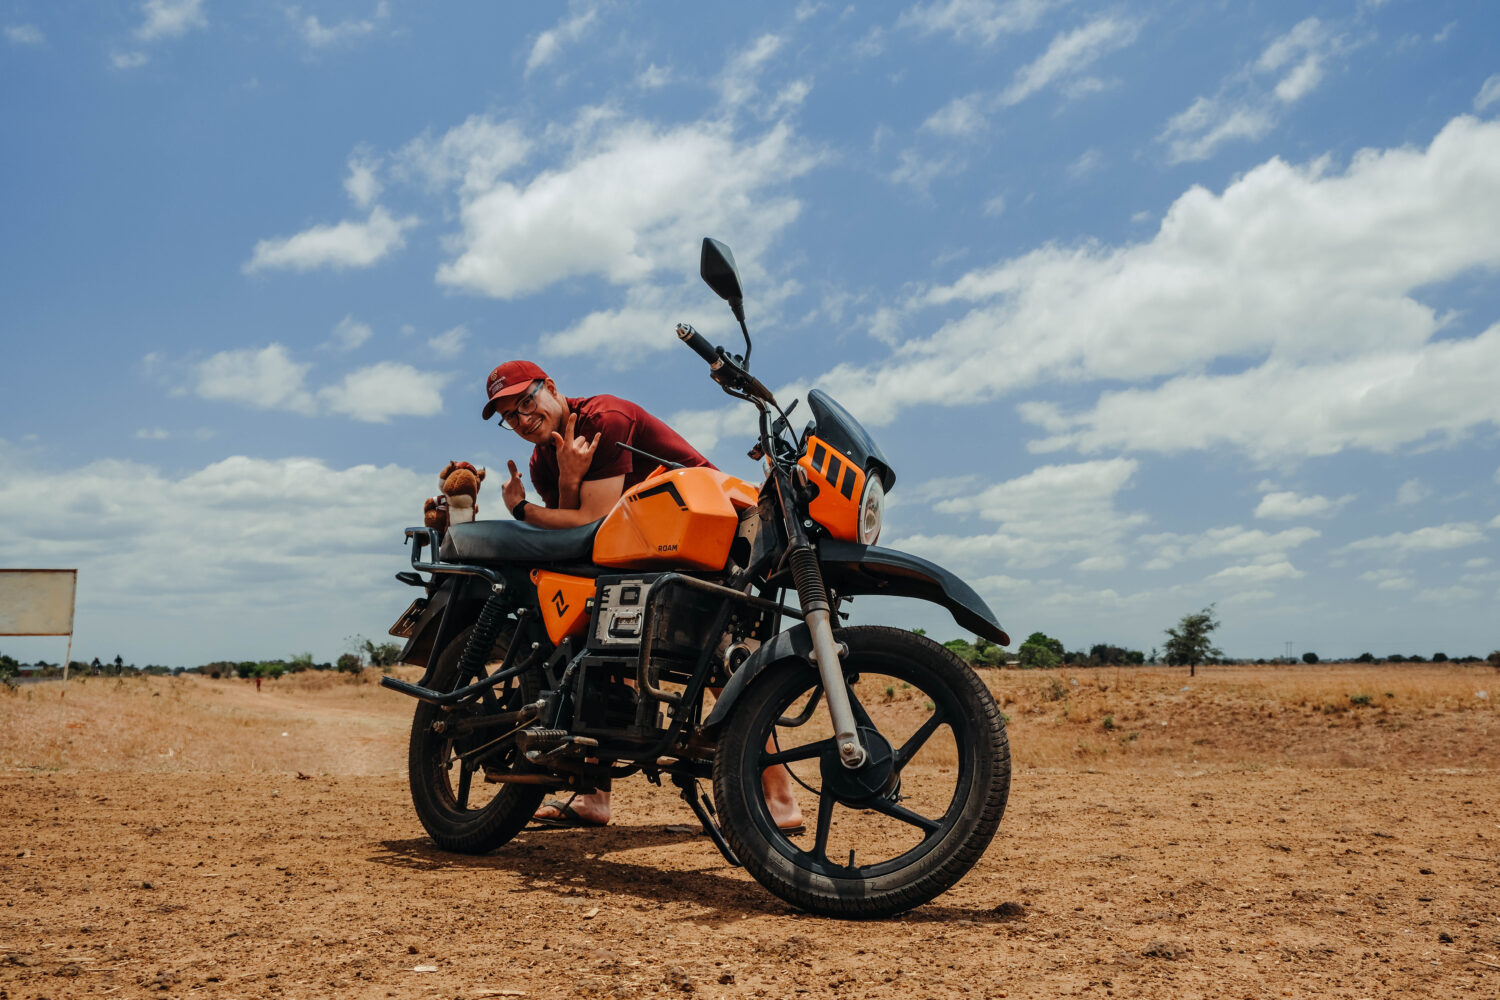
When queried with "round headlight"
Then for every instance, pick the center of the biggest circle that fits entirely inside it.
(871, 510)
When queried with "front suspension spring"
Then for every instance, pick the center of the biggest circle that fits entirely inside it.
(808, 577)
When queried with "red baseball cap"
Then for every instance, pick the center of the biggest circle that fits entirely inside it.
(509, 379)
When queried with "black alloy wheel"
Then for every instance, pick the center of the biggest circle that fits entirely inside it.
(894, 833)
(462, 811)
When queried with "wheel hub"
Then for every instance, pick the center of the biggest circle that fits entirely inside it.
(877, 776)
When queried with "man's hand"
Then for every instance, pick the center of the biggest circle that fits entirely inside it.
(574, 454)
(514, 491)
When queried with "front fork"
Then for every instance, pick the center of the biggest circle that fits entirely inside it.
(813, 594)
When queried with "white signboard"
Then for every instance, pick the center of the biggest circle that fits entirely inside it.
(37, 601)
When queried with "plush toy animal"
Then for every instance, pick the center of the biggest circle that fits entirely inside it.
(459, 502)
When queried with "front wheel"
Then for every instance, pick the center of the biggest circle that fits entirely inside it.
(462, 811)
(894, 833)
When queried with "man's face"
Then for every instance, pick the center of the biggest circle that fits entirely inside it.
(547, 415)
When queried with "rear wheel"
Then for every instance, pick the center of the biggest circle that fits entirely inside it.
(462, 811)
(894, 833)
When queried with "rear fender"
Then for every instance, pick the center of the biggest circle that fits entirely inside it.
(465, 595)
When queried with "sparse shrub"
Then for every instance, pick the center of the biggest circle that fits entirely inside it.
(890, 692)
(349, 663)
(1439, 657)
(1359, 699)
(1494, 659)
(1309, 657)
(1039, 652)
(1109, 722)
(1395, 658)
(1366, 658)
(1056, 690)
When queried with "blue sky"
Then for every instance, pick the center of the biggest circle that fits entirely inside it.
(1152, 304)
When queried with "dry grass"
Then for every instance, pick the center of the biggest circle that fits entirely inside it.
(302, 722)
(1341, 715)
(1328, 715)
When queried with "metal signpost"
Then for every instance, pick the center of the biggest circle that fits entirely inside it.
(39, 602)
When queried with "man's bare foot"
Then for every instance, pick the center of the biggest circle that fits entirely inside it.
(777, 785)
(579, 810)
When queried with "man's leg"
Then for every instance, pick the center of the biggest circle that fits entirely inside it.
(777, 785)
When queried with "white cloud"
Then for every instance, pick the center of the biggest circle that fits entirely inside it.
(267, 379)
(347, 244)
(1287, 504)
(959, 117)
(629, 201)
(475, 154)
(140, 520)
(129, 60)
(740, 80)
(919, 171)
(1412, 491)
(379, 392)
(1308, 272)
(1069, 54)
(24, 34)
(1438, 538)
(1388, 579)
(1207, 123)
(1087, 163)
(1447, 595)
(362, 184)
(1235, 541)
(1050, 513)
(994, 206)
(319, 36)
(350, 333)
(1243, 109)
(170, 19)
(1477, 563)
(975, 20)
(1279, 411)
(151, 434)
(653, 77)
(549, 44)
(1488, 94)
(449, 343)
(1260, 571)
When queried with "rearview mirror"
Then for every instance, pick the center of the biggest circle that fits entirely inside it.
(718, 270)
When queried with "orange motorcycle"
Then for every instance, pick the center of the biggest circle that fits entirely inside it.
(662, 640)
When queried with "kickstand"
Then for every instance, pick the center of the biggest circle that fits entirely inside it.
(694, 798)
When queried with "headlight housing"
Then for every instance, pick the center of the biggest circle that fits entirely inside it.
(871, 510)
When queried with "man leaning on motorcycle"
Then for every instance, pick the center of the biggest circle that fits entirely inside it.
(580, 470)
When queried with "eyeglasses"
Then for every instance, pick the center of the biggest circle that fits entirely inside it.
(525, 406)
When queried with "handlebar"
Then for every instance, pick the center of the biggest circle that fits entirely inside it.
(699, 344)
(725, 370)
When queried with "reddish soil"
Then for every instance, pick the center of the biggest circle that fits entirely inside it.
(158, 840)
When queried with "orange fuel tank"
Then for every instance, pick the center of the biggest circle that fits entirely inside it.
(682, 519)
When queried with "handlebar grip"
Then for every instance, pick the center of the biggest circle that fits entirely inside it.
(698, 343)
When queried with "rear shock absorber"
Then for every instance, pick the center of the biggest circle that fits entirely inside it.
(482, 638)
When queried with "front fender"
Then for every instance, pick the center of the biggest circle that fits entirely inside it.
(795, 642)
(850, 569)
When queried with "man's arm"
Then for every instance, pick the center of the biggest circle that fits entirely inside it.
(596, 497)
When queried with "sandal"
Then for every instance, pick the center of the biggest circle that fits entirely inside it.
(568, 817)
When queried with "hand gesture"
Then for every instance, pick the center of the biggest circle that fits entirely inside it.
(574, 454)
(513, 491)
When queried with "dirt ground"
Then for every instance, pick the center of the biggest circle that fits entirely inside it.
(1267, 832)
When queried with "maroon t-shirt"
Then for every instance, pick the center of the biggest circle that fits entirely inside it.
(615, 420)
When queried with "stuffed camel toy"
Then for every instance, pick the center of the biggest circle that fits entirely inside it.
(458, 502)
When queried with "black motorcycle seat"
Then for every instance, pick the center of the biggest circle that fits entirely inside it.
(486, 542)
